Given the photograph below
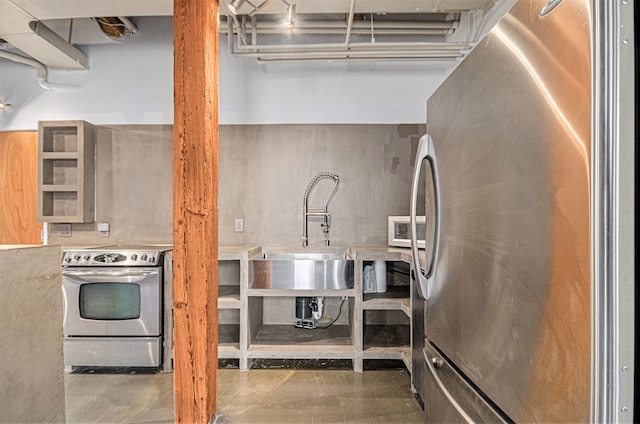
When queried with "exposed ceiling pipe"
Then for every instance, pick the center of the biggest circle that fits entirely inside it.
(40, 69)
(241, 34)
(332, 47)
(443, 26)
(259, 8)
(381, 54)
(243, 47)
(81, 61)
(355, 31)
(358, 28)
(352, 8)
(133, 29)
(344, 50)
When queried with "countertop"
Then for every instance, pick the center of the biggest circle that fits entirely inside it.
(18, 246)
(357, 252)
(248, 251)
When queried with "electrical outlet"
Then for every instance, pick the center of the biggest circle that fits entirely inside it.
(239, 225)
(64, 230)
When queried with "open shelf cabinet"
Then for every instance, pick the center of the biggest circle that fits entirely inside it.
(258, 324)
(229, 305)
(66, 171)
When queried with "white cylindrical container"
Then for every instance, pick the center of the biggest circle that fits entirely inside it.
(381, 276)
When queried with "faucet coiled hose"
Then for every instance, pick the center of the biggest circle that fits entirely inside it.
(327, 219)
(320, 176)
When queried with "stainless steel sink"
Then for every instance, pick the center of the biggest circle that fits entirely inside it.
(301, 271)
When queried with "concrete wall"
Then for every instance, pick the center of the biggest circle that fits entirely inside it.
(134, 188)
(264, 171)
(132, 83)
(31, 354)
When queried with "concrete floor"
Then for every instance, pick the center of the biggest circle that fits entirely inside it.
(255, 396)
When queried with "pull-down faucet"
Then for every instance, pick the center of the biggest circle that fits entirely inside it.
(318, 212)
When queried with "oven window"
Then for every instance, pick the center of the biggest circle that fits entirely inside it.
(110, 301)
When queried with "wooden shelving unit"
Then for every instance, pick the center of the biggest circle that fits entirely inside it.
(66, 171)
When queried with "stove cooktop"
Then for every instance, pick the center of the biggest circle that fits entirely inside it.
(128, 255)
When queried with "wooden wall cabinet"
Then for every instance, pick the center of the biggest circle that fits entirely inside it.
(66, 171)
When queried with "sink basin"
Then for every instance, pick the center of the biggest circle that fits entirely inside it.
(301, 271)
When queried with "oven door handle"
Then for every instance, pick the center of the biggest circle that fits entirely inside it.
(100, 276)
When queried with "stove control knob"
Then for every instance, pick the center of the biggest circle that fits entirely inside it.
(143, 257)
(152, 259)
(67, 259)
(134, 257)
(77, 257)
(87, 257)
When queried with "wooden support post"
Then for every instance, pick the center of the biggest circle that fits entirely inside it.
(195, 209)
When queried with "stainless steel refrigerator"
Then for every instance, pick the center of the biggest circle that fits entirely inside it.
(519, 296)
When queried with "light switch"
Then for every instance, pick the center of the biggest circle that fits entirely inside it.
(239, 225)
(103, 226)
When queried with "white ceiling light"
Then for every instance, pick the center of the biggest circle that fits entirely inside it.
(3, 104)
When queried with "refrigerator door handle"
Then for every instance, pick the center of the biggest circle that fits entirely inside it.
(432, 365)
(424, 279)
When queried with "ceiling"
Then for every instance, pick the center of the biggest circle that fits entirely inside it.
(323, 29)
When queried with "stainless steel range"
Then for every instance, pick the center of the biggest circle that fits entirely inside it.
(113, 306)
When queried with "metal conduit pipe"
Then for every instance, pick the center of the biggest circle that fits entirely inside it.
(262, 6)
(330, 47)
(242, 43)
(352, 8)
(230, 24)
(128, 24)
(355, 31)
(344, 50)
(359, 31)
(339, 26)
(355, 55)
(41, 71)
(254, 30)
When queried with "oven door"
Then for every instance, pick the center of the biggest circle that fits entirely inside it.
(112, 301)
